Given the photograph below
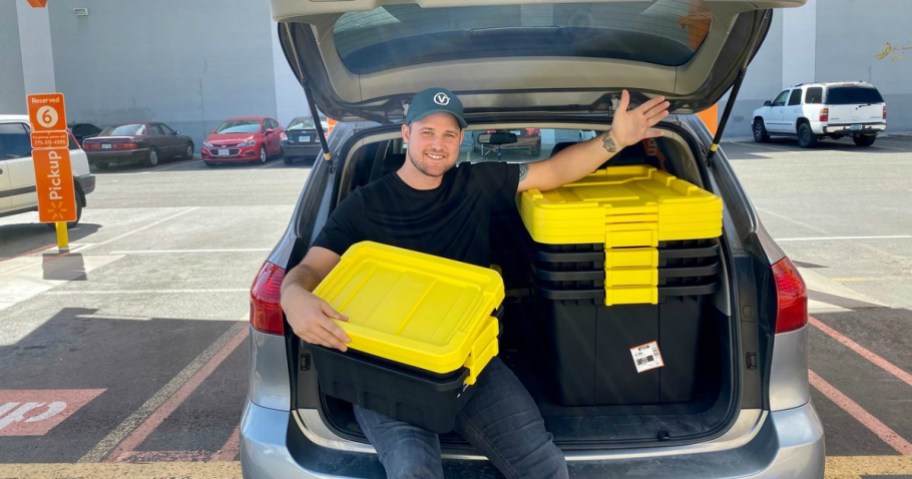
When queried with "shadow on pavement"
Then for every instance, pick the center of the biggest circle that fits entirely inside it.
(741, 149)
(63, 267)
(123, 362)
(22, 238)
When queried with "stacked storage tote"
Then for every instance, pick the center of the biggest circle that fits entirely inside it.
(622, 256)
(421, 330)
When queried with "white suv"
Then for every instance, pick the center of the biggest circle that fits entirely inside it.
(812, 111)
(17, 173)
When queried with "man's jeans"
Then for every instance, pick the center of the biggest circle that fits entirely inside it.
(501, 420)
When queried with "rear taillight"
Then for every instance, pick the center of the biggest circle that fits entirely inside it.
(125, 146)
(791, 295)
(885, 113)
(824, 114)
(91, 146)
(265, 308)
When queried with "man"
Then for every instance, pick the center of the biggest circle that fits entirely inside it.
(432, 207)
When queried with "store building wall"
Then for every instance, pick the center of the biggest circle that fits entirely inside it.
(842, 55)
(760, 83)
(192, 64)
(290, 98)
(12, 85)
(187, 64)
(26, 57)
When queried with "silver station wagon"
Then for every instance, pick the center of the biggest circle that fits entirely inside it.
(729, 312)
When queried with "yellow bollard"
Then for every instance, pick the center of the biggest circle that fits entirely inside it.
(63, 239)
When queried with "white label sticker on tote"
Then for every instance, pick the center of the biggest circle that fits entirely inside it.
(647, 356)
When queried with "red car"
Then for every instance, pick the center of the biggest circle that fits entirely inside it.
(243, 139)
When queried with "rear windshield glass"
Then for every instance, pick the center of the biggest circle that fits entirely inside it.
(124, 130)
(847, 95)
(239, 126)
(665, 33)
(301, 124)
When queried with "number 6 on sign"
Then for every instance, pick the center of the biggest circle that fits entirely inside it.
(47, 117)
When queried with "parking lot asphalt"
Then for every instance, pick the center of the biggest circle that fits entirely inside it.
(126, 357)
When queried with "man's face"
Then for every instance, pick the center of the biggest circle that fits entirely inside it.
(433, 143)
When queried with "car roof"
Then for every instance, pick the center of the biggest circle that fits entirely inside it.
(837, 83)
(366, 58)
(24, 118)
(252, 118)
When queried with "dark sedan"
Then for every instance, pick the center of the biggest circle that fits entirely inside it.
(143, 143)
(83, 130)
(300, 139)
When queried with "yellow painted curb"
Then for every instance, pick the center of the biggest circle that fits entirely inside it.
(108, 470)
(854, 467)
(839, 467)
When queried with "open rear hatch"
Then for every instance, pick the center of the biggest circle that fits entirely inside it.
(527, 65)
(364, 59)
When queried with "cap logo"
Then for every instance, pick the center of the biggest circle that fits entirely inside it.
(441, 99)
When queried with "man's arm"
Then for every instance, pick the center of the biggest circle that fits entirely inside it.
(310, 317)
(576, 161)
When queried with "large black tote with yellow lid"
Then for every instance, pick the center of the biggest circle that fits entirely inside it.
(421, 330)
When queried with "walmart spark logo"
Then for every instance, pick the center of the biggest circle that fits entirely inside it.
(57, 212)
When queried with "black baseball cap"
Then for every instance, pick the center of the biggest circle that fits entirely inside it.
(435, 100)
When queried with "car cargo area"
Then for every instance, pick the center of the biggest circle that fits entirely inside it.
(575, 313)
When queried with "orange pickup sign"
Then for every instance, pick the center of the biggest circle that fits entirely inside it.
(54, 182)
(51, 156)
(38, 3)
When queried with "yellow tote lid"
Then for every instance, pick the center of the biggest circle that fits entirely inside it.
(617, 201)
(414, 308)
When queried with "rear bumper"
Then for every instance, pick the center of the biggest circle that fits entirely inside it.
(780, 444)
(264, 451)
(86, 183)
(299, 150)
(96, 156)
(855, 128)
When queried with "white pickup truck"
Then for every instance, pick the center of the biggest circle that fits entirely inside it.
(17, 173)
(812, 111)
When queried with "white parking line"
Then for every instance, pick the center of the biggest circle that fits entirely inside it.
(28, 278)
(272, 164)
(842, 238)
(146, 291)
(792, 220)
(202, 250)
(24, 276)
(145, 227)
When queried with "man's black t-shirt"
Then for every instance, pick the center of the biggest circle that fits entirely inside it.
(451, 220)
